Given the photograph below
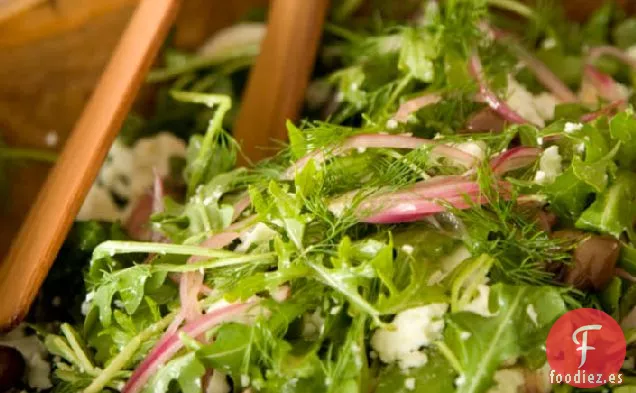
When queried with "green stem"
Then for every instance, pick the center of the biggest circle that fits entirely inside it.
(119, 361)
(245, 57)
(450, 356)
(514, 6)
(83, 361)
(112, 247)
(191, 267)
(11, 153)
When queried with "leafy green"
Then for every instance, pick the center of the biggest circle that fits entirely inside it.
(510, 333)
(186, 369)
(436, 377)
(613, 212)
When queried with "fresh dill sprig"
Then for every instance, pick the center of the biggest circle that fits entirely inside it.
(498, 228)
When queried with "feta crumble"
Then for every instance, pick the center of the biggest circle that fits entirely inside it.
(128, 173)
(571, 127)
(414, 328)
(549, 166)
(479, 305)
(534, 108)
(409, 383)
(218, 383)
(508, 381)
(313, 324)
(407, 248)
(34, 353)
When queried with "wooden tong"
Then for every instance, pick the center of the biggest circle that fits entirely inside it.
(58, 202)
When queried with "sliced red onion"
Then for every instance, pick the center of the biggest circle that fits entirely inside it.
(387, 141)
(607, 50)
(606, 110)
(414, 105)
(423, 199)
(488, 96)
(515, 158)
(164, 350)
(191, 283)
(417, 209)
(604, 84)
(240, 206)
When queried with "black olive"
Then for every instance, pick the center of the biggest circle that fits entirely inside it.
(12, 367)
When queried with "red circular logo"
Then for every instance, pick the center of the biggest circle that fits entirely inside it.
(586, 349)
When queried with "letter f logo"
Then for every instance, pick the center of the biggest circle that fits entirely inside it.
(583, 346)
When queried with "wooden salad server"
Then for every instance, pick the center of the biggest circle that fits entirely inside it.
(277, 82)
(46, 226)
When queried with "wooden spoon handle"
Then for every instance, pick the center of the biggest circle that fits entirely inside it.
(59, 201)
(278, 80)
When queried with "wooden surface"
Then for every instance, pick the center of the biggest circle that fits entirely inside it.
(48, 221)
(45, 81)
(278, 80)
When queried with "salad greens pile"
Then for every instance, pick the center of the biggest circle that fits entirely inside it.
(471, 181)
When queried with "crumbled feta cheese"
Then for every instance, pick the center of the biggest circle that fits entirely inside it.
(549, 43)
(414, 328)
(479, 305)
(508, 381)
(247, 35)
(476, 148)
(392, 124)
(51, 138)
(407, 248)
(580, 148)
(218, 383)
(536, 109)
(258, 234)
(532, 314)
(464, 336)
(313, 324)
(460, 381)
(448, 263)
(409, 383)
(34, 353)
(86, 304)
(571, 127)
(129, 173)
(245, 380)
(549, 166)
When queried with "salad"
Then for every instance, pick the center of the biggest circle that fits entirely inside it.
(465, 175)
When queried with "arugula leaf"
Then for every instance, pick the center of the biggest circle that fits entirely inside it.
(231, 350)
(434, 377)
(613, 211)
(213, 153)
(128, 283)
(510, 333)
(568, 194)
(187, 370)
(417, 54)
(623, 128)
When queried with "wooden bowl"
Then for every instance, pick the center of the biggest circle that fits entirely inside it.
(53, 55)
